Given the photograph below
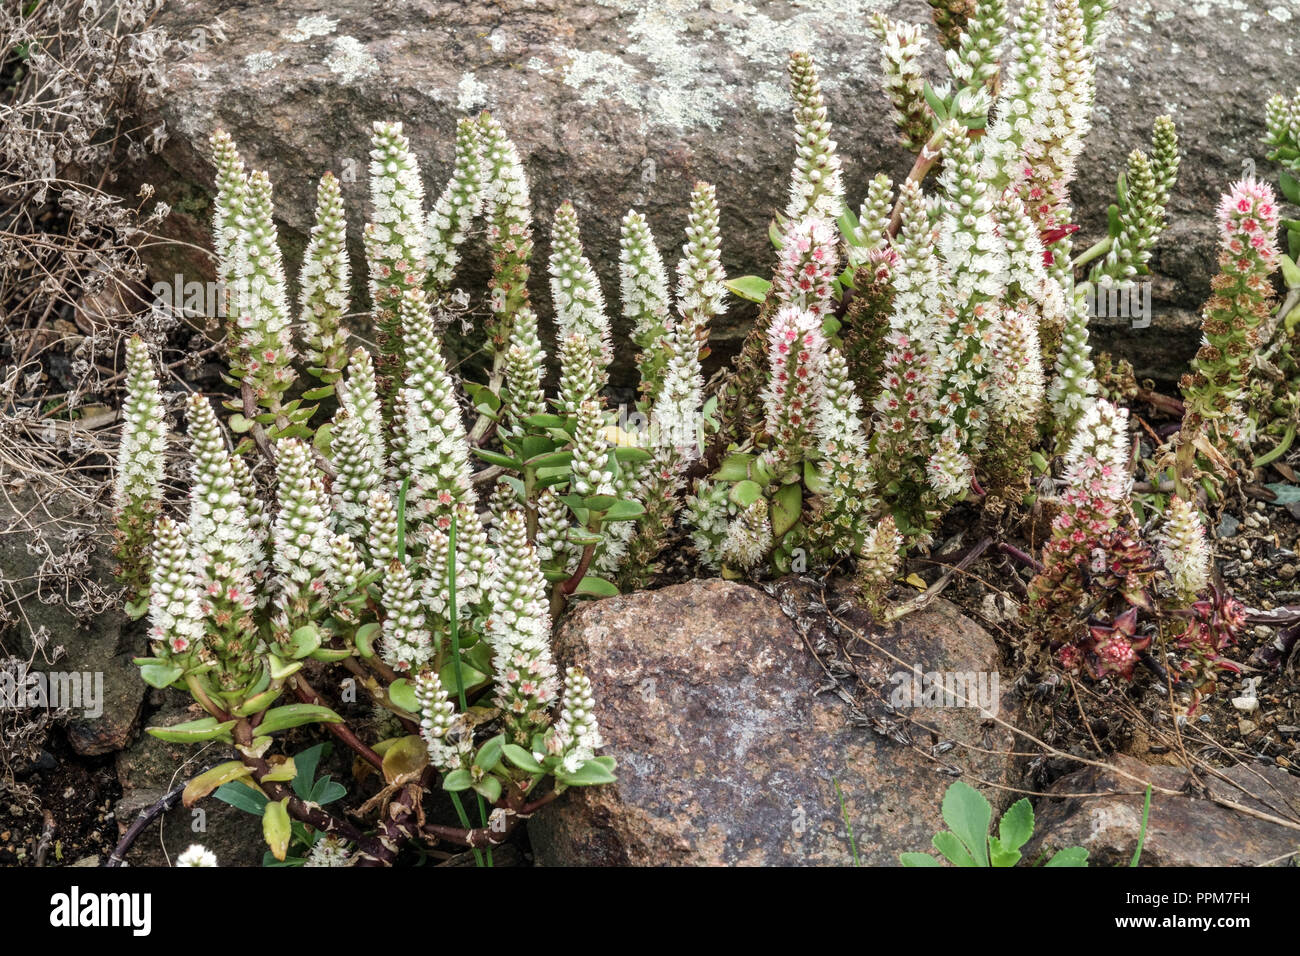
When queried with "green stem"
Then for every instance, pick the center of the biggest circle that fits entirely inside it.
(483, 426)
(925, 160)
(564, 588)
(1282, 448)
(1185, 463)
(1095, 251)
(200, 694)
(464, 822)
(454, 617)
(530, 502)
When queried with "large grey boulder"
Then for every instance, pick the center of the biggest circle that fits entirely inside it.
(734, 746)
(620, 103)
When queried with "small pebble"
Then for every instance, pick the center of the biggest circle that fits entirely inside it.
(1246, 727)
(1246, 704)
(1227, 527)
(1286, 572)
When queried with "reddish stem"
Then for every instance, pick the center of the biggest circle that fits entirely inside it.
(307, 694)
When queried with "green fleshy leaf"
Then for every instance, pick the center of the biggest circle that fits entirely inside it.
(489, 788)
(401, 693)
(495, 458)
(194, 731)
(813, 478)
(734, 467)
(365, 638)
(257, 703)
(295, 715)
(280, 668)
(161, 674)
(625, 454)
(545, 421)
(745, 493)
(624, 511)
(489, 755)
(749, 288)
(787, 507)
(1290, 272)
(472, 676)
(521, 758)
(596, 587)
(457, 781)
(138, 609)
(323, 439)
(551, 459)
(936, 103)
(482, 396)
(303, 641)
(582, 537)
(276, 827)
(1290, 187)
(592, 773)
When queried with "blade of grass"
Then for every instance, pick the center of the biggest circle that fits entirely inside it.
(1142, 832)
(455, 640)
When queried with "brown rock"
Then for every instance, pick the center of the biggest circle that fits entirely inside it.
(57, 554)
(1183, 829)
(149, 769)
(707, 696)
